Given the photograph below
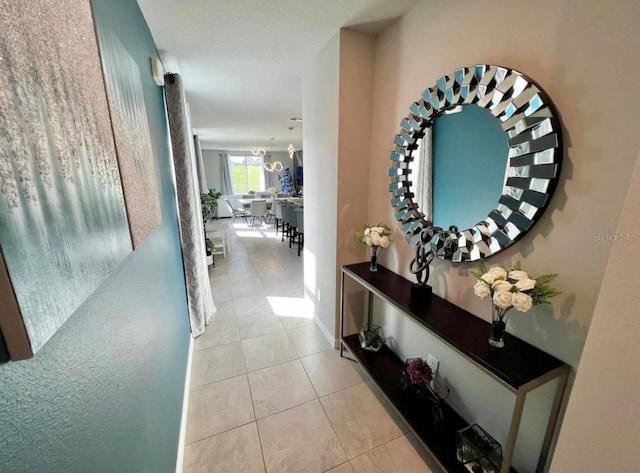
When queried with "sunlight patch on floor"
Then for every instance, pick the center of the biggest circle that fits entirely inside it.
(249, 234)
(291, 306)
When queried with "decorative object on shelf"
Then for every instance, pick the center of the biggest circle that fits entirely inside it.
(532, 163)
(478, 451)
(373, 267)
(420, 291)
(273, 191)
(510, 289)
(371, 337)
(375, 237)
(419, 378)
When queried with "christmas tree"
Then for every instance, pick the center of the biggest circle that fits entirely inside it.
(286, 182)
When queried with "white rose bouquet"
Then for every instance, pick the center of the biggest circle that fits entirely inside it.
(378, 235)
(511, 289)
(375, 237)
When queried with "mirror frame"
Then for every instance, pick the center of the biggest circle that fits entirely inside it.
(532, 169)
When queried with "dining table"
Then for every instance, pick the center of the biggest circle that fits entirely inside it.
(246, 203)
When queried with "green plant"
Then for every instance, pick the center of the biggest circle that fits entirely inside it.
(209, 245)
(209, 202)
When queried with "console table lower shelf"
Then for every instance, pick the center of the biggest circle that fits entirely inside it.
(384, 367)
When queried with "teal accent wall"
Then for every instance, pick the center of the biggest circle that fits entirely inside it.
(105, 393)
(469, 161)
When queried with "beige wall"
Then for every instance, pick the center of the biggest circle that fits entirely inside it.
(337, 103)
(355, 102)
(602, 424)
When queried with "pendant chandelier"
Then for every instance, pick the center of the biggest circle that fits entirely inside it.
(277, 166)
(291, 149)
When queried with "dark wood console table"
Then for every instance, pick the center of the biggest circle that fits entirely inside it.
(519, 366)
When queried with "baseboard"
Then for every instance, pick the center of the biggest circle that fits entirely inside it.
(328, 335)
(185, 408)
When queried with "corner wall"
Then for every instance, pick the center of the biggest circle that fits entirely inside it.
(105, 393)
(355, 103)
(320, 138)
(337, 103)
(601, 428)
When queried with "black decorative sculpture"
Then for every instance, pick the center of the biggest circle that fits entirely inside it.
(421, 292)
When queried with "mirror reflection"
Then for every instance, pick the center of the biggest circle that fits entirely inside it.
(459, 167)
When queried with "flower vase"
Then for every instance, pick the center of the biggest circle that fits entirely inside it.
(373, 267)
(498, 316)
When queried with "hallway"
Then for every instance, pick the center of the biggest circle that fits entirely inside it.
(268, 392)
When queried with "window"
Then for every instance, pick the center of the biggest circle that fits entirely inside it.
(246, 173)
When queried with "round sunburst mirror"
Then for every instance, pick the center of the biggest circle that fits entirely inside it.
(529, 163)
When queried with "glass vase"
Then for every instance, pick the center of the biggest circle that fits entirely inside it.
(373, 266)
(498, 325)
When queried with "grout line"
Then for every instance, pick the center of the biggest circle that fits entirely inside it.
(264, 462)
(338, 466)
(335, 432)
(221, 432)
(253, 406)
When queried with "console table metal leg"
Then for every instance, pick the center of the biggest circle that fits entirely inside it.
(370, 307)
(553, 420)
(513, 431)
(341, 311)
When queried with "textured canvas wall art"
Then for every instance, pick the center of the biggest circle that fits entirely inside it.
(131, 132)
(63, 225)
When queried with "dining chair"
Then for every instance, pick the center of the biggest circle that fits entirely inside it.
(277, 214)
(236, 212)
(258, 210)
(288, 222)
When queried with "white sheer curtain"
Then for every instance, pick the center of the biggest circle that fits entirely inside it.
(225, 175)
(202, 177)
(421, 176)
(201, 306)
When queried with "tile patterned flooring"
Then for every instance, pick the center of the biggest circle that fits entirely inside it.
(268, 393)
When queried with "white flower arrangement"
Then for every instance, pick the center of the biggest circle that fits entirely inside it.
(273, 191)
(513, 288)
(379, 235)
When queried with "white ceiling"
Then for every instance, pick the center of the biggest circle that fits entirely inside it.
(242, 61)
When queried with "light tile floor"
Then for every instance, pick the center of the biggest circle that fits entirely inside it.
(268, 392)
